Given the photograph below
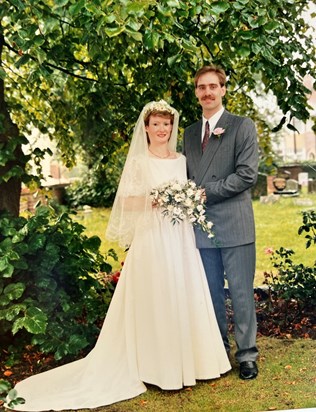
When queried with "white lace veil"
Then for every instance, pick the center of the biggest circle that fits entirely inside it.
(132, 203)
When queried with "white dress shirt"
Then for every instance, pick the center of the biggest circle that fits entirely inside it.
(212, 121)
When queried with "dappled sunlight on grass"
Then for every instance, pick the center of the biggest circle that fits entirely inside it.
(277, 225)
(95, 221)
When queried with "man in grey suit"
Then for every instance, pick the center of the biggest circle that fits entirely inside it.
(227, 167)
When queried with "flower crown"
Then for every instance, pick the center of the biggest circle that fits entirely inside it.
(161, 106)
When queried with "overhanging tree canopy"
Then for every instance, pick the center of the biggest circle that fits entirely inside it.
(80, 70)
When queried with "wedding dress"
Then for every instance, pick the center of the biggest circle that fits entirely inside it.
(160, 327)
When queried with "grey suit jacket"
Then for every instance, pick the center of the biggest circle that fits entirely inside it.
(227, 170)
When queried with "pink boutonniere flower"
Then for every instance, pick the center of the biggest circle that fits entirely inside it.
(218, 132)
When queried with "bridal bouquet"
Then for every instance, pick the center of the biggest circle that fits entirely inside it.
(182, 200)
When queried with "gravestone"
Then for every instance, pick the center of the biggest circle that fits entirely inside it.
(289, 187)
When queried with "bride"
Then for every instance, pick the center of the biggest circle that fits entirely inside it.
(160, 328)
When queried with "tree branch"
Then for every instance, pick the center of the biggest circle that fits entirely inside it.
(59, 68)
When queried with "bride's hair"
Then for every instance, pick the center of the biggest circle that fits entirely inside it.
(162, 113)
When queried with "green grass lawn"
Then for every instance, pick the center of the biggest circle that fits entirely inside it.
(286, 380)
(276, 226)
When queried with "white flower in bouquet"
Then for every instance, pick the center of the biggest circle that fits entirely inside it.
(182, 200)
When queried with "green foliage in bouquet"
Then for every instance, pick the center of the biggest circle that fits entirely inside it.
(50, 292)
(295, 281)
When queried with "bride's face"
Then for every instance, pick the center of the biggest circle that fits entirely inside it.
(159, 129)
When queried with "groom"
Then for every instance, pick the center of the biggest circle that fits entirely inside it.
(222, 157)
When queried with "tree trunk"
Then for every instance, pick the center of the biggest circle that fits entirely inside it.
(10, 191)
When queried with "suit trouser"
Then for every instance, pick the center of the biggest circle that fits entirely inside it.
(237, 265)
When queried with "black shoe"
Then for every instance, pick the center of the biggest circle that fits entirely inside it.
(248, 370)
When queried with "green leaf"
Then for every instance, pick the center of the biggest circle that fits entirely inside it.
(244, 51)
(238, 5)
(41, 56)
(60, 3)
(271, 26)
(173, 59)
(3, 263)
(135, 7)
(134, 34)
(75, 8)
(114, 31)
(23, 60)
(34, 321)
(14, 290)
(255, 48)
(37, 242)
(269, 56)
(18, 3)
(2, 74)
(4, 386)
(253, 21)
(188, 46)
(280, 125)
(293, 128)
(47, 284)
(247, 34)
(19, 237)
(151, 39)
(38, 40)
(7, 270)
(92, 243)
(134, 25)
(96, 11)
(219, 6)
(11, 312)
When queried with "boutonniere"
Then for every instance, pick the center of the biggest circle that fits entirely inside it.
(218, 132)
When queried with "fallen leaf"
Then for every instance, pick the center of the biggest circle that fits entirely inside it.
(8, 373)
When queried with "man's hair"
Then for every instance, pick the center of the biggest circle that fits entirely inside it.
(220, 73)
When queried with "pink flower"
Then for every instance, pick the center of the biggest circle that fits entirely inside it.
(269, 251)
(218, 132)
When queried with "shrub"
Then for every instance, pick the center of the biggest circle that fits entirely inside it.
(295, 281)
(50, 295)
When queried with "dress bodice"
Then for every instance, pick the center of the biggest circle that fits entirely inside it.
(165, 170)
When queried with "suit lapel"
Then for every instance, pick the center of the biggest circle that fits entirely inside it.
(196, 145)
(213, 146)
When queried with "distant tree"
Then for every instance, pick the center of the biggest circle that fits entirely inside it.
(80, 70)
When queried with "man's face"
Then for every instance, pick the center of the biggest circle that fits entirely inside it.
(209, 93)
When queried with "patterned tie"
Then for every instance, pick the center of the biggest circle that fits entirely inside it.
(206, 136)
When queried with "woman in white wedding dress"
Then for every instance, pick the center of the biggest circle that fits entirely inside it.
(160, 327)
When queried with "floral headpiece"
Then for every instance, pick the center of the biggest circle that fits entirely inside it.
(161, 106)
